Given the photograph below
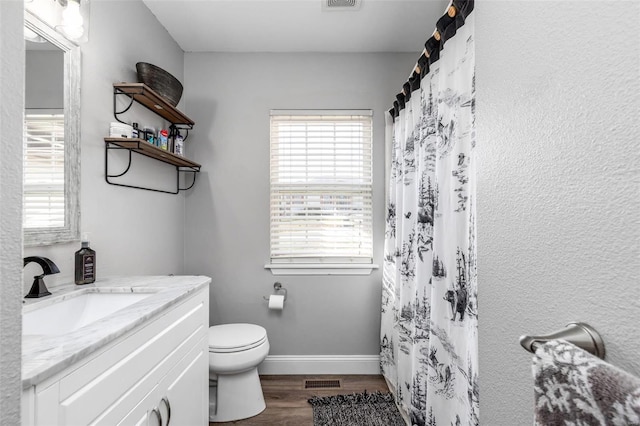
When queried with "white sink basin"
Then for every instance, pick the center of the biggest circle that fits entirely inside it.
(75, 312)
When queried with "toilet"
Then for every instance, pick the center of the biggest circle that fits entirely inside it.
(235, 351)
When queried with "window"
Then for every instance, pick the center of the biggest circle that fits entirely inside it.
(43, 196)
(321, 192)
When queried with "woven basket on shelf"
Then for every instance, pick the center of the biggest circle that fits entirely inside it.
(160, 81)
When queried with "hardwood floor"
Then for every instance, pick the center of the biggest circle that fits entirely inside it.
(287, 403)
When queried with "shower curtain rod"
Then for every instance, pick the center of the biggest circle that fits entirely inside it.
(446, 27)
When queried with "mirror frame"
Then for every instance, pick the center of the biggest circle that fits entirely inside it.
(72, 74)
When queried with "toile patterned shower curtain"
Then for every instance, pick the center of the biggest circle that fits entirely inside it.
(429, 329)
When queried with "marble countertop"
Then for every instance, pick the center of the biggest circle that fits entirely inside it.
(45, 355)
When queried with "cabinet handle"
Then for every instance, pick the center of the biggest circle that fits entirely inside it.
(157, 411)
(166, 402)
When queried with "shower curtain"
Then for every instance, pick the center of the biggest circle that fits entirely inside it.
(429, 325)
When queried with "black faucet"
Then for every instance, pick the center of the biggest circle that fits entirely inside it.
(38, 289)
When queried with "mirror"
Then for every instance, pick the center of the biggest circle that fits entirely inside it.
(51, 161)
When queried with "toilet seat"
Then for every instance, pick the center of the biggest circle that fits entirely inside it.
(228, 338)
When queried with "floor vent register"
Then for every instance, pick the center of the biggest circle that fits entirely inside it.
(323, 384)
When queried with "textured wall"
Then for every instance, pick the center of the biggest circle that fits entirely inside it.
(558, 201)
(133, 231)
(11, 105)
(227, 219)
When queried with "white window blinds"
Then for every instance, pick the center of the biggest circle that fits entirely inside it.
(321, 186)
(43, 173)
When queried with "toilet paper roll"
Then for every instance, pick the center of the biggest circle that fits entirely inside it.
(276, 301)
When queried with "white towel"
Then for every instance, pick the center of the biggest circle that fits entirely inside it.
(573, 387)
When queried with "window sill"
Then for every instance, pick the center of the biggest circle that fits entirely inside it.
(321, 268)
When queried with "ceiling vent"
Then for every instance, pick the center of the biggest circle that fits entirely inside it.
(337, 5)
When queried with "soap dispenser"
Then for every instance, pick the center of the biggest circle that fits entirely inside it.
(85, 263)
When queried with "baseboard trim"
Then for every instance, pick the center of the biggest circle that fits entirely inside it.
(320, 364)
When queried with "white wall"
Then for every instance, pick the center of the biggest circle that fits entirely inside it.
(230, 96)
(132, 231)
(11, 105)
(558, 201)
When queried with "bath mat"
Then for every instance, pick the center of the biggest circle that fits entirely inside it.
(359, 409)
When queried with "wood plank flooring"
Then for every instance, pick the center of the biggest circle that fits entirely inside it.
(287, 403)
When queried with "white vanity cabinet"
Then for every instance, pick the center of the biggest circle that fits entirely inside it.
(156, 374)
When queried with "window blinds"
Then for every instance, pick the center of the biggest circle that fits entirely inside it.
(321, 187)
(43, 173)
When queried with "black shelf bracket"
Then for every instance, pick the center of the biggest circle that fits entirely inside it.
(116, 113)
(193, 170)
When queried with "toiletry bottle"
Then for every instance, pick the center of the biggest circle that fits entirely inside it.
(163, 139)
(178, 147)
(150, 135)
(85, 263)
(135, 133)
(173, 131)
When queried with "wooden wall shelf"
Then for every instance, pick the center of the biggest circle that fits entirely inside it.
(145, 96)
(143, 147)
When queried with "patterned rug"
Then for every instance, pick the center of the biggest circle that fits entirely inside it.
(360, 409)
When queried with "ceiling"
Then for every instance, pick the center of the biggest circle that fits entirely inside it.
(298, 25)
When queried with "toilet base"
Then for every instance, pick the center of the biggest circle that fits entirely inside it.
(239, 396)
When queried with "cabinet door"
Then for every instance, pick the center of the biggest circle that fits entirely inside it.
(187, 389)
(142, 413)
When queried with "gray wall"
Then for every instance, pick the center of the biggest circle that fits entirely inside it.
(558, 156)
(134, 232)
(12, 102)
(44, 86)
(227, 215)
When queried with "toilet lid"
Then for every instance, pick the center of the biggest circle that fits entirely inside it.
(235, 337)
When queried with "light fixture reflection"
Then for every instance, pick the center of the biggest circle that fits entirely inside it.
(70, 18)
(72, 21)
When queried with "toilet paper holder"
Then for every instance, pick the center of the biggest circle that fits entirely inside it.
(277, 289)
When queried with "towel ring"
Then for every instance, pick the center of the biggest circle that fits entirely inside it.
(579, 334)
